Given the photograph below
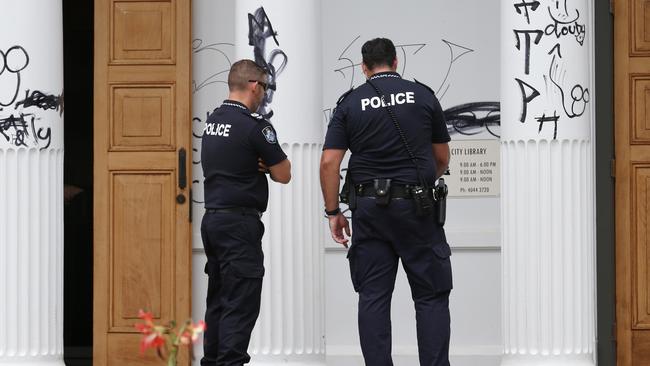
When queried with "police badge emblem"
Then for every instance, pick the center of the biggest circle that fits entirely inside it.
(269, 135)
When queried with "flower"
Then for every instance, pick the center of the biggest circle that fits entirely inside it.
(191, 332)
(163, 338)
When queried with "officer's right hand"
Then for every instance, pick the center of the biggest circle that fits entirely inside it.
(338, 224)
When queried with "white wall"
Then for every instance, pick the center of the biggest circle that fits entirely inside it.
(473, 223)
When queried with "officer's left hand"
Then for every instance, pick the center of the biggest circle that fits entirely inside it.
(338, 224)
(262, 167)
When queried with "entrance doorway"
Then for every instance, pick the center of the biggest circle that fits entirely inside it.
(78, 180)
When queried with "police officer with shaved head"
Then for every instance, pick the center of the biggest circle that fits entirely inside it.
(239, 148)
(398, 139)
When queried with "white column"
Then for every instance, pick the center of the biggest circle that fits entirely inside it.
(31, 183)
(548, 183)
(291, 324)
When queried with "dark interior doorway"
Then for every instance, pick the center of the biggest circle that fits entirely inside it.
(78, 179)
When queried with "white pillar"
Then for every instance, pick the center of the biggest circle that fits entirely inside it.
(548, 183)
(291, 324)
(31, 183)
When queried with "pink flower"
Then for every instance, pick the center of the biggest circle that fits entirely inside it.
(153, 340)
(164, 338)
(154, 336)
(197, 329)
(191, 332)
(146, 316)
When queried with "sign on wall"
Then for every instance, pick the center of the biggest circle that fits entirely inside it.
(474, 168)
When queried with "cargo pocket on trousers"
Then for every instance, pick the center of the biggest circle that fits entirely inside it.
(442, 271)
(353, 268)
(249, 259)
(250, 266)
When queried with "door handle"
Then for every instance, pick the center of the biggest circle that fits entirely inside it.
(182, 168)
(182, 174)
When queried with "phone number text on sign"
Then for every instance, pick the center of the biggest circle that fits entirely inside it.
(474, 168)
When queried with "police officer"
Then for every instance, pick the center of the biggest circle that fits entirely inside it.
(238, 148)
(386, 228)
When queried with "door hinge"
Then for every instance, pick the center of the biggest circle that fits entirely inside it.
(612, 168)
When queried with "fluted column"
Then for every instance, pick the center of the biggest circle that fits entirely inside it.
(291, 324)
(548, 183)
(31, 183)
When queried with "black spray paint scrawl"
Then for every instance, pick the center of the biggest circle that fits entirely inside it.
(260, 30)
(18, 127)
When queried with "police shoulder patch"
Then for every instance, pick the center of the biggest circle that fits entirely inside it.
(269, 135)
(425, 85)
(344, 96)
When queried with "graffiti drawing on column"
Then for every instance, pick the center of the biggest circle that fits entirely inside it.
(260, 30)
(579, 95)
(527, 97)
(527, 34)
(565, 24)
(533, 5)
(561, 28)
(21, 122)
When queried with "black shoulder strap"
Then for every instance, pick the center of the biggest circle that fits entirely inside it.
(424, 85)
(345, 95)
(402, 136)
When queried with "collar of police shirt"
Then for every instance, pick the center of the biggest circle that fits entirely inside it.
(232, 103)
(385, 74)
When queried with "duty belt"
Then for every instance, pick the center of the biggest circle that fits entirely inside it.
(396, 191)
(247, 211)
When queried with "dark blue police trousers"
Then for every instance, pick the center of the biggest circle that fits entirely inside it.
(233, 246)
(381, 235)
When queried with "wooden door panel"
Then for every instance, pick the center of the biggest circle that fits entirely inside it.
(143, 32)
(142, 117)
(142, 121)
(640, 111)
(124, 351)
(142, 247)
(640, 29)
(641, 253)
(641, 349)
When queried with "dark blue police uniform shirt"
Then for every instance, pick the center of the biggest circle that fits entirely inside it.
(361, 124)
(233, 139)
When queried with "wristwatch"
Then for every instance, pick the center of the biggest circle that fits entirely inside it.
(334, 212)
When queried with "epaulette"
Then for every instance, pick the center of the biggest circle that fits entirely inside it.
(425, 85)
(344, 96)
(256, 116)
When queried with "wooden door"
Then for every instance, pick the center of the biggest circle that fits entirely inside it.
(632, 136)
(142, 248)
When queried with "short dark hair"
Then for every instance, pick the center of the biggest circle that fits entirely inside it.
(242, 71)
(378, 52)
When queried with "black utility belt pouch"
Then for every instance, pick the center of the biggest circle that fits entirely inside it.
(382, 191)
(422, 200)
